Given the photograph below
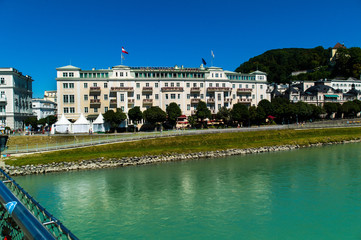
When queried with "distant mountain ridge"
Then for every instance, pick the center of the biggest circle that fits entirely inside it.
(310, 64)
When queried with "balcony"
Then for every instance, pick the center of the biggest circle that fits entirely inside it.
(147, 89)
(172, 89)
(94, 102)
(245, 100)
(147, 101)
(130, 101)
(195, 100)
(244, 90)
(121, 89)
(228, 100)
(94, 91)
(211, 100)
(195, 89)
(113, 102)
(218, 89)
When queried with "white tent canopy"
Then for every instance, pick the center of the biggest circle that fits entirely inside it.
(99, 125)
(63, 125)
(81, 125)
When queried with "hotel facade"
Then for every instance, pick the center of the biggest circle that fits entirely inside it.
(15, 98)
(96, 91)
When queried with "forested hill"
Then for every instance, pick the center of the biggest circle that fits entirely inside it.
(280, 63)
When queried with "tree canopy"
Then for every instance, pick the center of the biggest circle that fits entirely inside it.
(135, 114)
(173, 112)
(202, 112)
(154, 115)
(114, 118)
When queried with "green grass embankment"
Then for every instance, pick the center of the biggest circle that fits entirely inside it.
(195, 143)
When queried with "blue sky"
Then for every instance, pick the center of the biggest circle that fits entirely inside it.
(38, 36)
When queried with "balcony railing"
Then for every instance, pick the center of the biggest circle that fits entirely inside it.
(147, 89)
(147, 101)
(195, 100)
(228, 100)
(218, 89)
(244, 90)
(113, 101)
(172, 89)
(195, 89)
(130, 100)
(211, 100)
(244, 100)
(123, 89)
(94, 91)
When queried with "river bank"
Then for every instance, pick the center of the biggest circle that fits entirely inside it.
(100, 163)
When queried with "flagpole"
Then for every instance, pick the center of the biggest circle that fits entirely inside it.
(121, 59)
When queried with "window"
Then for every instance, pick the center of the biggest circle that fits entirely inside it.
(71, 85)
(72, 110)
(122, 97)
(65, 74)
(95, 110)
(234, 96)
(65, 98)
(85, 85)
(219, 106)
(178, 96)
(106, 109)
(233, 85)
(66, 110)
(261, 96)
(166, 84)
(194, 84)
(156, 85)
(172, 96)
(65, 85)
(202, 96)
(188, 107)
(223, 85)
(219, 97)
(120, 74)
(85, 97)
(166, 96)
(147, 84)
(86, 110)
(246, 85)
(188, 85)
(261, 86)
(178, 84)
(138, 85)
(217, 84)
(188, 96)
(71, 74)
(95, 84)
(138, 96)
(156, 96)
(122, 107)
(252, 86)
(216, 75)
(210, 84)
(105, 85)
(201, 84)
(121, 84)
(2, 80)
(253, 96)
(105, 96)
(71, 97)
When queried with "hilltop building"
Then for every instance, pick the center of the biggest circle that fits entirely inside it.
(15, 98)
(96, 91)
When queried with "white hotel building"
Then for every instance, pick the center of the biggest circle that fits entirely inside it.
(15, 98)
(96, 91)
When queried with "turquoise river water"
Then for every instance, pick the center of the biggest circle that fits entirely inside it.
(310, 193)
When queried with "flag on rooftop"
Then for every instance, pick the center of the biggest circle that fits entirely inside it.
(124, 51)
(212, 53)
(204, 61)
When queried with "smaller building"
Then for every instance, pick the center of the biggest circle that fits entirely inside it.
(51, 96)
(43, 108)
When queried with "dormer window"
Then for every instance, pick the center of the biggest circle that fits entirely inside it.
(71, 74)
(65, 74)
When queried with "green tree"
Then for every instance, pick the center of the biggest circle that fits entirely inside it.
(240, 113)
(266, 106)
(154, 115)
(224, 114)
(32, 121)
(303, 111)
(48, 120)
(114, 118)
(331, 108)
(202, 112)
(173, 112)
(135, 114)
(350, 109)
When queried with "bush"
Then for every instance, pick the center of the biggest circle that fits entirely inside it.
(147, 127)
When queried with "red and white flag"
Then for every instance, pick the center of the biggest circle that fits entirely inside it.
(124, 51)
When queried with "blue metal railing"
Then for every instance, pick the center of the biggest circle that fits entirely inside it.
(23, 217)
